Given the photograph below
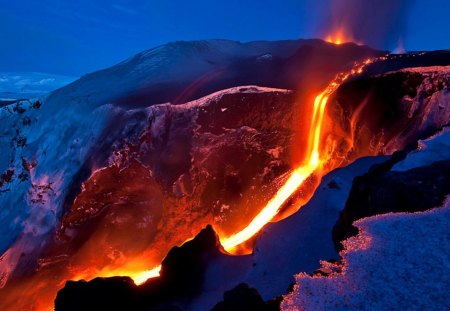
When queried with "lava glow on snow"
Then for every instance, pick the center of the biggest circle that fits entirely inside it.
(318, 161)
(315, 159)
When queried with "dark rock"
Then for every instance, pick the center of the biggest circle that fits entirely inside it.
(245, 298)
(18, 108)
(21, 141)
(181, 278)
(383, 191)
(385, 113)
(36, 105)
(6, 177)
(333, 185)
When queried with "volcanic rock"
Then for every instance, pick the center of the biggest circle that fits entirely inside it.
(244, 298)
(181, 276)
(381, 191)
(389, 112)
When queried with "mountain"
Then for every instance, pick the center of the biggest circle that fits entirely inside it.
(104, 176)
(181, 71)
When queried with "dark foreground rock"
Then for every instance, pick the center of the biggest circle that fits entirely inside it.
(382, 191)
(245, 298)
(181, 276)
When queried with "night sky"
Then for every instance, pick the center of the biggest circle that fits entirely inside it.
(79, 36)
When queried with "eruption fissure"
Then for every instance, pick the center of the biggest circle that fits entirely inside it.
(314, 160)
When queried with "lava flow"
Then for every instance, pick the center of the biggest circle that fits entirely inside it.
(297, 177)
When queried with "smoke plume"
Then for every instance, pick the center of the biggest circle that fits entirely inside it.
(378, 23)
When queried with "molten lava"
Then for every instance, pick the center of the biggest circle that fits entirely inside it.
(314, 161)
(42, 285)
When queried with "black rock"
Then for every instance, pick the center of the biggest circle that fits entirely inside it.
(383, 191)
(181, 277)
(245, 298)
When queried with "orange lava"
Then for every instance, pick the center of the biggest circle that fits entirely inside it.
(141, 277)
(295, 180)
(318, 153)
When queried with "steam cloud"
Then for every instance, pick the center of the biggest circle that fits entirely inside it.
(379, 24)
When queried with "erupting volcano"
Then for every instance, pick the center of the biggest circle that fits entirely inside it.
(210, 175)
(339, 37)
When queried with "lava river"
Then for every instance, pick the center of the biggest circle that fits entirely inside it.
(316, 158)
(319, 160)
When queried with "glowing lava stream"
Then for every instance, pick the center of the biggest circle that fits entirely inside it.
(297, 177)
(295, 180)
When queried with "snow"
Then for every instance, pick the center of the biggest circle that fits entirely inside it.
(299, 242)
(430, 150)
(397, 262)
(211, 99)
(60, 141)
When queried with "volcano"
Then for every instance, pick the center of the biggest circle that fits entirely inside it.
(205, 175)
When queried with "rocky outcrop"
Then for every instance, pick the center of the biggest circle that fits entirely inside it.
(181, 278)
(382, 191)
(388, 112)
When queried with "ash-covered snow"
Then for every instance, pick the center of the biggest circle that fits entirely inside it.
(397, 262)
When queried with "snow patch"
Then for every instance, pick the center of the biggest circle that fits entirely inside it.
(397, 262)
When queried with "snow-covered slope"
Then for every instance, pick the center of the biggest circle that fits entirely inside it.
(397, 262)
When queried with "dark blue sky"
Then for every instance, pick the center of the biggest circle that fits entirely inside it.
(78, 36)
